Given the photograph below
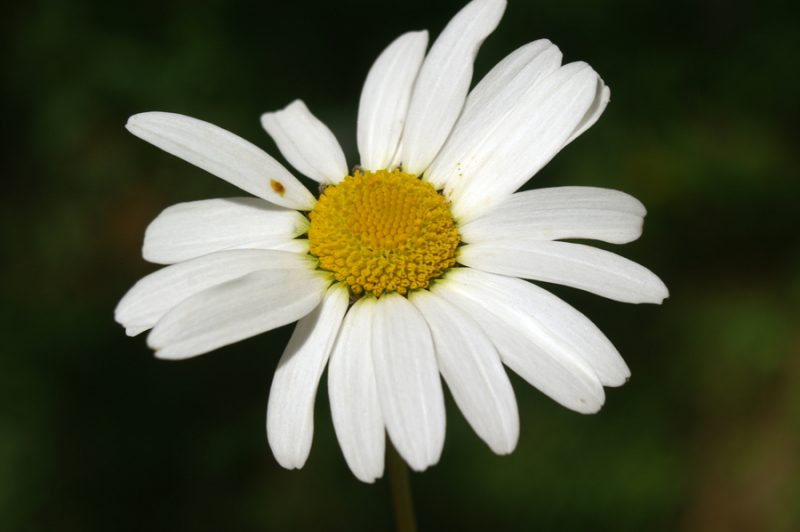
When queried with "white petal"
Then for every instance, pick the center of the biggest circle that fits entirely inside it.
(306, 143)
(533, 60)
(541, 351)
(539, 124)
(237, 309)
(488, 106)
(384, 99)
(223, 154)
(560, 212)
(397, 160)
(188, 230)
(157, 293)
(409, 388)
(594, 270)
(443, 82)
(135, 331)
(290, 411)
(567, 330)
(601, 99)
(353, 394)
(472, 370)
(298, 245)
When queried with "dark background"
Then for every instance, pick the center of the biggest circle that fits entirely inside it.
(97, 435)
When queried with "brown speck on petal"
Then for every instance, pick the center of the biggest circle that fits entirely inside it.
(278, 187)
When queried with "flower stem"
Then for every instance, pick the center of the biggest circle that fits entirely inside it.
(401, 491)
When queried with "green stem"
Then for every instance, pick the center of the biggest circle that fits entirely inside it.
(401, 491)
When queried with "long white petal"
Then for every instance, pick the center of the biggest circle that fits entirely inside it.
(150, 298)
(588, 268)
(541, 121)
(533, 61)
(443, 82)
(601, 99)
(188, 230)
(472, 370)
(237, 309)
(487, 109)
(290, 411)
(353, 394)
(298, 245)
(384, 99)
(223, 154)
(560, 212)
(531, 347)
(306, 143)
(409, 388)
(559, 326)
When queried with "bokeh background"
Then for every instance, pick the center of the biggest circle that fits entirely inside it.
(97, 435)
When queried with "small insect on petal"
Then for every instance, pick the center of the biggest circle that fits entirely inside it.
(278, 187)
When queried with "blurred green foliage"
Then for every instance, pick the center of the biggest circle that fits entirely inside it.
(97, 435)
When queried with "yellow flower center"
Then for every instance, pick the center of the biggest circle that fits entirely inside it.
(384, 231)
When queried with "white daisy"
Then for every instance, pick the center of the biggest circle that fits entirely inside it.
(408, 267)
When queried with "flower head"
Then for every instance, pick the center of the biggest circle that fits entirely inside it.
(410, 266)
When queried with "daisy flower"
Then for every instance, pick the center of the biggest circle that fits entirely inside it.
(411, 266)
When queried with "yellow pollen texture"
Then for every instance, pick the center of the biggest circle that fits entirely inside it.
(383, 232)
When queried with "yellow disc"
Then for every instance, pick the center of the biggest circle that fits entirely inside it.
(384, 231)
